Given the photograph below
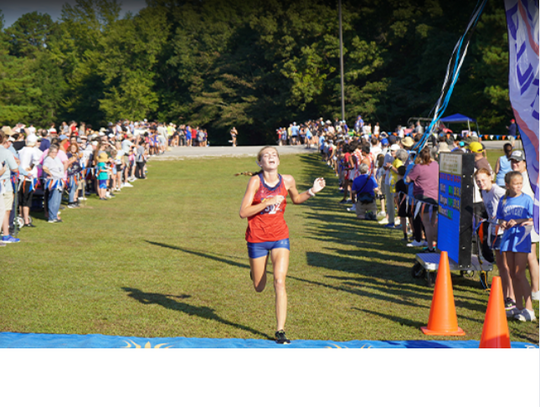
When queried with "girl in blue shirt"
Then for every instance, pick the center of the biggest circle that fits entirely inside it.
(514, 213)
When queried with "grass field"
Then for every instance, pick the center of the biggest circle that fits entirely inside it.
(168, 258)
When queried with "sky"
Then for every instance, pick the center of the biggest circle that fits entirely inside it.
(13, 9)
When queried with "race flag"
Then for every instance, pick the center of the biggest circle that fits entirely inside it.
(522, 20)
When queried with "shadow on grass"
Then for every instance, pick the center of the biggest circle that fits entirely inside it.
(169, 302)
(206, 255)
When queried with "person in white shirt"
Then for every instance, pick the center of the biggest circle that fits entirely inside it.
(29, 157)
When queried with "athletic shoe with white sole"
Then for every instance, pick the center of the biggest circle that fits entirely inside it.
(281, 338)
(525, 315)
(416, 243)
(352, 208)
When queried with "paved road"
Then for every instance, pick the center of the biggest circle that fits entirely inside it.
(180, 153)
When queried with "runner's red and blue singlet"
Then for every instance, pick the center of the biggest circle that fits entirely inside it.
(269, 224)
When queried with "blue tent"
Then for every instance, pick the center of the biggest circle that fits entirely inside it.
(459, 118)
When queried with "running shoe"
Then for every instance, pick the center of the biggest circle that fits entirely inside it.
(72, 205)
(352, 208)
(29, 225)
(389, 225)
(511, 313)
(281, 338)
(525, 315)
(509, 304)
(416, 243)
(10, 239)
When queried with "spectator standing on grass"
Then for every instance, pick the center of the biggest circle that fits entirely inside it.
(518, 163)
(425, 178)
(479, 210)
(73, 171)
(404, 210)
(140, 160)
(29, 156)
(492, 194)
(514, 212)
(102, 175)
(7, 165)
(267, 233)
(503, 165)
(54, 170)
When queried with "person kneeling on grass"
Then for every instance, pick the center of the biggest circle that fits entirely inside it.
(365, 187)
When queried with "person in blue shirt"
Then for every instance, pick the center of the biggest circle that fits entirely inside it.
(514, 215)
(503, 166)
(295, 130)
(365, 186)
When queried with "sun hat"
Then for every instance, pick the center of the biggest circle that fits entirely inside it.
(517, 155)
(475, 147)
(102, 157)
(7, 130)
(407, 142)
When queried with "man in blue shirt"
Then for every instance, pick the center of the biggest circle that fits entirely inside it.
(365, 187)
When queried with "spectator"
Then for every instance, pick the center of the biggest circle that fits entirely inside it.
(28, 177)
(514, 212)
(512, 132)
(503, 165)
(404, 209)
(365, 187)
(8, 164)
(54, 169)
(518, 163)
(425, 179)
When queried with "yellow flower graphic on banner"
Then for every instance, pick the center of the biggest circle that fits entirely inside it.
(147, 345)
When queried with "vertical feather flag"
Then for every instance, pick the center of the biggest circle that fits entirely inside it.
(522, 21)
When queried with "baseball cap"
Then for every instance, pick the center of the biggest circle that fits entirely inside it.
(31, 139)
(394, 147)
(392, 139)
(476, 147)
(517, 155)
(62, 137)
(384, 142)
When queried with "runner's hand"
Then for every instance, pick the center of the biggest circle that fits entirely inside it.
(318, 185)
(275, 200)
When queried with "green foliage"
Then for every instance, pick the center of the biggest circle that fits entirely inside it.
(255, 64)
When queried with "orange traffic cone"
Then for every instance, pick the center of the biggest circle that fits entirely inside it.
(495, 332)
(442, 316)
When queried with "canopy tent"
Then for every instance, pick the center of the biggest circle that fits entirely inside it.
(460, 118)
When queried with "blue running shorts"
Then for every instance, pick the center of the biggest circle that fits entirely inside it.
(256, 250)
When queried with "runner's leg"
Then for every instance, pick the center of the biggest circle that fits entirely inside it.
(280, 260)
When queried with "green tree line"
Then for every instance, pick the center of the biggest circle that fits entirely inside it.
(253, 64)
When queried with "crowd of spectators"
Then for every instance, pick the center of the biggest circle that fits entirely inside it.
(40, 167)
(380, 174)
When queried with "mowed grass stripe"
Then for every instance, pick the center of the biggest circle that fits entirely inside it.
(168, 258)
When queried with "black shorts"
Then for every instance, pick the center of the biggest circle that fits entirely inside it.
(119, 167)
(25, 195)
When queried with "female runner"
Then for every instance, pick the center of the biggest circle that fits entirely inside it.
(264, 205)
